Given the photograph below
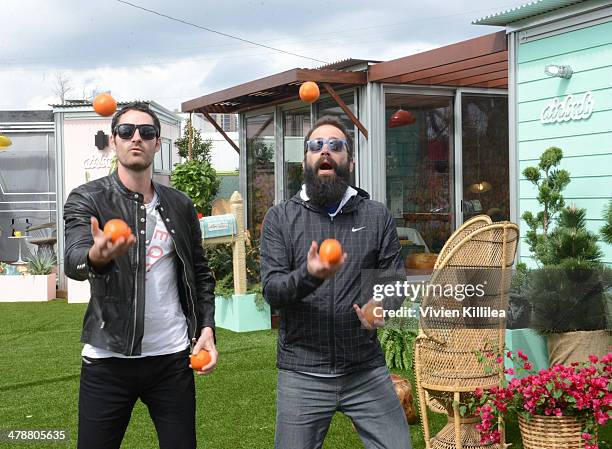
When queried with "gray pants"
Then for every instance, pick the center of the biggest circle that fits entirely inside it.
(305, 406)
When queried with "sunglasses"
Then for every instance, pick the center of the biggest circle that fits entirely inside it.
(334, 144)
(127, 130)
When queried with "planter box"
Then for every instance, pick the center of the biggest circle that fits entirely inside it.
(27, 288)
(239, 314)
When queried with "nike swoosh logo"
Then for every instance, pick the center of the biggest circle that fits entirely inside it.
(357, 229)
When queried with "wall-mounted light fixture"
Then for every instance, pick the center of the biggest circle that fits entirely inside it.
(561, 71)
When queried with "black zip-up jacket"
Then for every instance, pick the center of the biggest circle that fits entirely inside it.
(114, 319)
(319, 330)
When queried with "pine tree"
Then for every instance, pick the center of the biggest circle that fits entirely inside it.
(549, 181)
(571, 245)
(606, 230)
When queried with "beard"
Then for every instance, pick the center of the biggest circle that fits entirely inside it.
(135, 165)
(326, 191)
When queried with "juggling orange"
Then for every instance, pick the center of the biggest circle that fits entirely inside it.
(200, 360)
(330, 251)
(372, 311)
(117, 228)
(105, 105)
(309, 92)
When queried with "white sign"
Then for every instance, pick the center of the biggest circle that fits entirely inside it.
(569, 108)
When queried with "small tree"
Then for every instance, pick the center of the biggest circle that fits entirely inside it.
(606, 230)
(549, 181)
(200, 148)
(196, 176)
(571, 245)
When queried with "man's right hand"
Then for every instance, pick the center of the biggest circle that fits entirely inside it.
(103, 249)
(320, 268)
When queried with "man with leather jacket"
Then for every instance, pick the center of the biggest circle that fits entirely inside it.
(328, 357)
(152, 294)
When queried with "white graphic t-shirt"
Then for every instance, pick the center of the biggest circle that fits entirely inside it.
(165, 326)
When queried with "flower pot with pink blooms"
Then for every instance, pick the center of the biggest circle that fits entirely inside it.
(558, 408)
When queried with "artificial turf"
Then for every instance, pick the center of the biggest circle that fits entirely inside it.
(39, 381)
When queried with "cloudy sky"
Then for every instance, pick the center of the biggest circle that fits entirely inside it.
(100, 45)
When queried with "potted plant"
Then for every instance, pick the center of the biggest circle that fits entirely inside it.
(36, 282)
(560, 407)
(567, 292)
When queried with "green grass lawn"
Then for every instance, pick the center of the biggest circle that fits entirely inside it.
(40, 363)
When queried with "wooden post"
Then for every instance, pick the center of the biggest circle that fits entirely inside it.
(190, 147)
(239, 250)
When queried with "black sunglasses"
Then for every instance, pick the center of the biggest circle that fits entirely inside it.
(316, 145)
(127, 130)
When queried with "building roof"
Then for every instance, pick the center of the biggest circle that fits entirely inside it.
(274, 89)
(38, 116)
(531, 9)
(347, 64)
(477, 62)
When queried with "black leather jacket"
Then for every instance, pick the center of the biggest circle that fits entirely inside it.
(114, 319)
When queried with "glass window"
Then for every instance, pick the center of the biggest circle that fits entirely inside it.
(484, 122)
(163, 158)
(419, 169)
(296, 124)
(328, 106)
(260, 169)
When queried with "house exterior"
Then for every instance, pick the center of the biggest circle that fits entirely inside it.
(574, 112)
(447, 162)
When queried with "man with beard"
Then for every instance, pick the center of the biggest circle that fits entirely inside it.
(328, 357)
(152, 294)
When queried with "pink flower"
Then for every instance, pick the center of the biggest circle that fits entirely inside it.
(586, 436)
(593, 358)
(522, 355)
(528, 366)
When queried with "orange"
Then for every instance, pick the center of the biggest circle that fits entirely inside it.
(330, 251)
(117, 228)
(105, 105)
(200, 360)
(372, 311)
(309, 92)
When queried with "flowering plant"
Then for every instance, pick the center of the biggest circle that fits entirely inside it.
(582, 390)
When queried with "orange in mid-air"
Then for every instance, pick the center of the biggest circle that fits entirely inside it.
(199, 360)
(117, 228)
(330, 251)
(105, 105)
(309, 92)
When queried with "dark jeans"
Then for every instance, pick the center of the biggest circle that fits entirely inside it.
(305, 406)
(110, 387)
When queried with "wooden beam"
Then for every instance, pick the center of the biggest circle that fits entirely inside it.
(500, 83)
(346, 109)
(214, 123)
(453, 67)
(454, 76)
(469, 81)
(471, 48)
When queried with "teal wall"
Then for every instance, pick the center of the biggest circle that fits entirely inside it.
(586, 144)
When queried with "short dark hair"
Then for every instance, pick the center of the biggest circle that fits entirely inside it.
(333, 121)
(136, 106)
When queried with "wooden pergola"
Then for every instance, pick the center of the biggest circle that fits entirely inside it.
(478, 62)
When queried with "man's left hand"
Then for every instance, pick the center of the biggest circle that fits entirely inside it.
(207, 342)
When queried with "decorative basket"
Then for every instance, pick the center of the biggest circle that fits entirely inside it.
(551, 432)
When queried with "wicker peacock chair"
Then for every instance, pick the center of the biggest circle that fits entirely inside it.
(446, 367)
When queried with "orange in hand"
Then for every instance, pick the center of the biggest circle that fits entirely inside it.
(117, 228)
(372, 311)
(105, 105)
(330, 251)
(309, 92)
(200, 360)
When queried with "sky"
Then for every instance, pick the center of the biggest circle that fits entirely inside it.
(109, 45)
